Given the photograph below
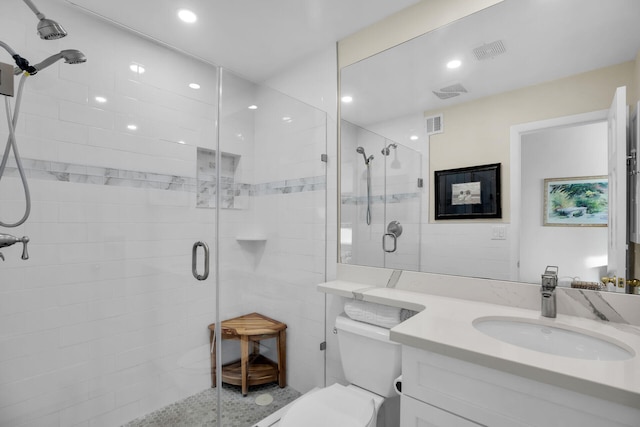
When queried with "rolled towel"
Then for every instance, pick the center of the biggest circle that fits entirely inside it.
(385, 316)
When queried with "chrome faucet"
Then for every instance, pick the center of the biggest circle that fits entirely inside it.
(8, 240)
(548, 291)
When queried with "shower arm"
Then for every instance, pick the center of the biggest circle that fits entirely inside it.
(34, 9)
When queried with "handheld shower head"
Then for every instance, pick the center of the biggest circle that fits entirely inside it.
(48, 29)
(366, 159)
(70, 56)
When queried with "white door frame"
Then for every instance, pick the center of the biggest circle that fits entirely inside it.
(515, 168)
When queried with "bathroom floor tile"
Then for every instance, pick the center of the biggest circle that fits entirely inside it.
(199, 410)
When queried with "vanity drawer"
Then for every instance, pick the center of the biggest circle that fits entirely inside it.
(420, 414)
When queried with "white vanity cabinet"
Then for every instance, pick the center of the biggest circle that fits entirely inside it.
(442, 391)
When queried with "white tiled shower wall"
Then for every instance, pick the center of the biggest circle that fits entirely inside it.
(105, 322)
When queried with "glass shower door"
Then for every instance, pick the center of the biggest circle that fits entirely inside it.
(272, 249)
(402, 206)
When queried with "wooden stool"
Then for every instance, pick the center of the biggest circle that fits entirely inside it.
(251, 369)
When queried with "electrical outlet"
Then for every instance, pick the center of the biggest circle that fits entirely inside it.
(6, 79)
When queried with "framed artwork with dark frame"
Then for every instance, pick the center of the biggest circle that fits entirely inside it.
(468, 193)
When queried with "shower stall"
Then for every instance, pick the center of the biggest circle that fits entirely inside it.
(129, 167)
(381, 200)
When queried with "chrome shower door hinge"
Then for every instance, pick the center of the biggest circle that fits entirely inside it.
(323, 346)
(420, 183)
(324, 158)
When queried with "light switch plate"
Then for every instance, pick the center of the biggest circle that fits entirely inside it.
(6, 79)
(498, 232)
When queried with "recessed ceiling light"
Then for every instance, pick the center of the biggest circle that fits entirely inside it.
(181, 142)
(413, 137)
(137, 68)
(454, 64)
(187, 16)
(286, 119)
(132, 127)
(253, 107)
(347, 99)
(194, 85)
(100, 99)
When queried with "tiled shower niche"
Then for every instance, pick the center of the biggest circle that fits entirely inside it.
(233, 195)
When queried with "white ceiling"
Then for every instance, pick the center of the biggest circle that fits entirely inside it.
(255, 38)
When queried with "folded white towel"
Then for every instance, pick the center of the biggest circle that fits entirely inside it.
(376, 314)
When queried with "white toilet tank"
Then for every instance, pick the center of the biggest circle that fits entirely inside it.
(369, 359)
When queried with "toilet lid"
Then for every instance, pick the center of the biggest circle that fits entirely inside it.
(331, 407)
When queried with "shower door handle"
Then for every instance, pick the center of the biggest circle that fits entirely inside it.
(194, 261)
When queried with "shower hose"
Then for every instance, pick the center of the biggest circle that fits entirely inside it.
(12, 121)
(368, 195)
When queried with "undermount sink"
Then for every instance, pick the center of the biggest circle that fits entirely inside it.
(554, 340)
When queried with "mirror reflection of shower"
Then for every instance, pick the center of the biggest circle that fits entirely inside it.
(367, 161)
(395, 163)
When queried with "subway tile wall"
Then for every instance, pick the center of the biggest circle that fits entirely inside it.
(104, 322)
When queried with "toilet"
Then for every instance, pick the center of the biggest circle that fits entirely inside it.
(371, 363)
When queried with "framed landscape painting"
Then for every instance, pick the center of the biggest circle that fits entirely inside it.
(576, 202)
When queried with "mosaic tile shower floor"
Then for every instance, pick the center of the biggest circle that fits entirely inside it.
(199, 410)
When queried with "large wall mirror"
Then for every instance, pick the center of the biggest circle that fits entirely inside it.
(526, 84)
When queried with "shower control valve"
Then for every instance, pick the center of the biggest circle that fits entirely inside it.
(8, 240)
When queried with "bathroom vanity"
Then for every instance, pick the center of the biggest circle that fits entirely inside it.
(461, 366)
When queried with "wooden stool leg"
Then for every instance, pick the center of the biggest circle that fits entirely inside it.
(212, 347)
(282, 359)
(244, 362)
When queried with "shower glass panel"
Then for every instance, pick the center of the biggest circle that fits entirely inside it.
(402, 203)
(362, 189)
(104, 323)
(272, 243)
(388, 188)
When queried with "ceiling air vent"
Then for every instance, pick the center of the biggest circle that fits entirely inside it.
(450, 91)
(445, 95)
(489, 50)
(434, 124)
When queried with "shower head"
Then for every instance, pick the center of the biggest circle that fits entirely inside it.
(385, 150)
(70, 56)
(48, 29)
(366, 159)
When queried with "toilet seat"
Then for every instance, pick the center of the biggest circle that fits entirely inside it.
(333, 406)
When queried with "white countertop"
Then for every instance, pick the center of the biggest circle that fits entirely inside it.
(445, 325)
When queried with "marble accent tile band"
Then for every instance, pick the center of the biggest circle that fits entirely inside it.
(66, 172)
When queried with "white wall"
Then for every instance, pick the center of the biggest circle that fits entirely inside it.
(576, 151)
(104, 322)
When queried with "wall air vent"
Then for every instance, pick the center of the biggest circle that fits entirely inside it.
(435, 124)
(489, 50)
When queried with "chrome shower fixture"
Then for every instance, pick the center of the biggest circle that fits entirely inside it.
(48, 29)
(385, 150)
(70, 56)
(366, 159)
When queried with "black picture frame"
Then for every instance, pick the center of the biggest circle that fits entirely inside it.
(468, 193)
